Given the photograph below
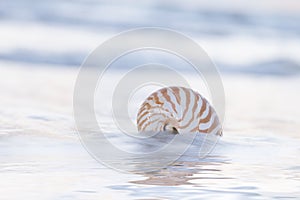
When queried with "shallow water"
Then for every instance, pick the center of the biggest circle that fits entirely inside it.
(42, 157)
(240, 167)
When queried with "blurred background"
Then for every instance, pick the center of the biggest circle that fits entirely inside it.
(254, 44)
(240, 36)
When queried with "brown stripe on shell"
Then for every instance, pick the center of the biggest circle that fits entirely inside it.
(203, 108)
(146, 125)
(152, 115)
(211, 127)
(168, 98)
(175, 91)
(187, 103)
(164, 104)
(208, 116)
(193, 112)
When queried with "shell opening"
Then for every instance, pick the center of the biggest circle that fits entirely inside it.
(171, 129)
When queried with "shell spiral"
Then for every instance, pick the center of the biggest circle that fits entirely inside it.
(178, 110)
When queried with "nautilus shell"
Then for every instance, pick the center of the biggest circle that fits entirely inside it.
(178, 110)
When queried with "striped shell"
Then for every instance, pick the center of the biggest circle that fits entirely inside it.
(178, 110)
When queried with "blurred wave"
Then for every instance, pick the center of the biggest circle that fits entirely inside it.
(101, 15)
(25, 56)
(275, 67)
(64, 32)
